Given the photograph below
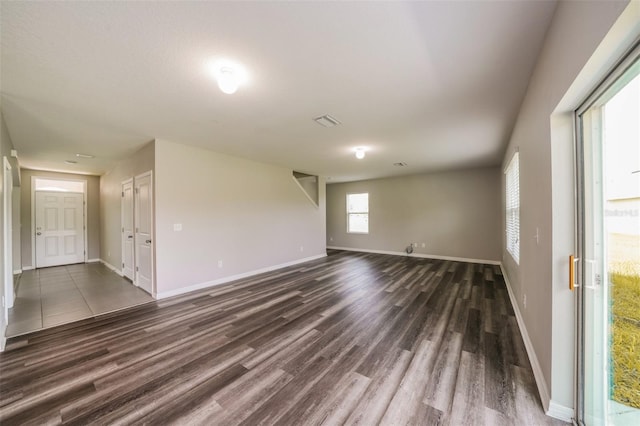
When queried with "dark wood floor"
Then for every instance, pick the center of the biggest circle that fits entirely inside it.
(351, 339)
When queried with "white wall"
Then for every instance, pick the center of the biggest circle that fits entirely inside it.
(110, 199)
(248, 215)
(456, 214)
(544, 136)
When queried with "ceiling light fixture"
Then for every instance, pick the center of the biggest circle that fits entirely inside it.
(227, 81)
(85, 156)
(360, 152)
(230, 75)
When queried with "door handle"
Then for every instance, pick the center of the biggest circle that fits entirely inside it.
(38, 233)
(572, 272)
(148, 241)
(130, 236)
(595, 277)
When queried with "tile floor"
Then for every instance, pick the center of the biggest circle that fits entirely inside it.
(52, 296)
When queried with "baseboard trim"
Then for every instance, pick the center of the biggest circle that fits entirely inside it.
(93, 260)
(3, 343)
(17, 271)
(419, 255)
(27, 268)
(110, 266)
(560, 412)
(551, 409)
(213, 283)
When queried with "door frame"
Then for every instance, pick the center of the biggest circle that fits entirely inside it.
(33, 214)
(611, 79)
(7, 203)
(122, 184)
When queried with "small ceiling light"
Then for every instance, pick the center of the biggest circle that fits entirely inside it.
(85, 156)
(227, 81)
(360, 152)
(400, 164)
(70, 162)
(229, 74)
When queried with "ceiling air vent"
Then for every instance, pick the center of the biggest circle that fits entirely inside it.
(326, 121)
(400, 164)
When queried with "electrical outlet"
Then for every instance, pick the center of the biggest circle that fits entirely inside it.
(219, 263)
(524, 301)
(330, 238)
(415, 245)
(177, 227)
(423, 245)
(301, 248)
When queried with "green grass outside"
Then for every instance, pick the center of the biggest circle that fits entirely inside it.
(624, 276)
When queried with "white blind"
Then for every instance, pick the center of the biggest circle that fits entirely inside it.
(513, 207)
(358, 213)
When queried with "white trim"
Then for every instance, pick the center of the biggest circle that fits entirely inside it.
(200, 286)
(28, 268)
(560, 412)
(419, 255)
(94, 260)
(17, 271)
(110, 266)
(3, 343)
(551, 408)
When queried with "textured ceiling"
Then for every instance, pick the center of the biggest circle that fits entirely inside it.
(434, 84)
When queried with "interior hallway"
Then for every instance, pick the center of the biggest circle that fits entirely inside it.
(58, 295)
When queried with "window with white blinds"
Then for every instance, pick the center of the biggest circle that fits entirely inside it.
(513, 207)
(358, 213)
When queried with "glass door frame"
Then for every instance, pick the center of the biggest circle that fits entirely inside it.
(582, 280)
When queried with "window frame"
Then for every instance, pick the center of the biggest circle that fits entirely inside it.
(512, 207)
(349, 213)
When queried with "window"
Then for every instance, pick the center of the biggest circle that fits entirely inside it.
(513, 207)
(358, 213)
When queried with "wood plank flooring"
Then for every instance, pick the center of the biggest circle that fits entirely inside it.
(351, 339)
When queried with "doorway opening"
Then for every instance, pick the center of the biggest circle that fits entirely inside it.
(58, 221)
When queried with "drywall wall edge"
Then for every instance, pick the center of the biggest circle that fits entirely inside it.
(551, 408)
(113, 268)
(419, 255)
(224, 280)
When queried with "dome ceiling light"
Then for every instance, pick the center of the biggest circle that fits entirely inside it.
(229, 75)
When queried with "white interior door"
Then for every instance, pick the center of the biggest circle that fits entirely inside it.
(143, 213)
(59, 228)
(128, 263)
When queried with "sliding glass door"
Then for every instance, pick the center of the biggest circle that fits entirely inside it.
(608, 240)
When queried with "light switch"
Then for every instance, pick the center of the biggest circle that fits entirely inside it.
(177, 227)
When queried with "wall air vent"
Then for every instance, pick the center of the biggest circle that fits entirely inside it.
(400, 164)
(326, 121)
